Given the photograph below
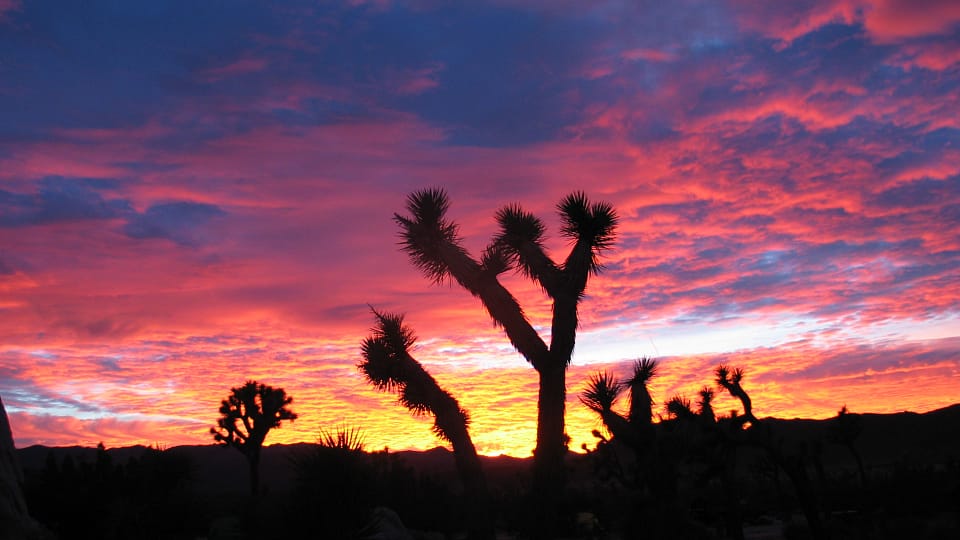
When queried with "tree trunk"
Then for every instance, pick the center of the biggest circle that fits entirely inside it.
(732, 517)
(253, 460)
(860, 469)
(806, 495)
(548, 460)
(477, 507)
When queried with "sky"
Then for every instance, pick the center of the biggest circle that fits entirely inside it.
(194, 194)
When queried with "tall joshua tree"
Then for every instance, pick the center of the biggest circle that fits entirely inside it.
(388, 365)
(434, 245)
(247, 415)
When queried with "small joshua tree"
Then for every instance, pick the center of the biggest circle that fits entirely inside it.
(603, 390)
(659, 514)
(844, 429)
(335, 486)
(247, 415)
(759, 434)
(716, 447)
(388, 365)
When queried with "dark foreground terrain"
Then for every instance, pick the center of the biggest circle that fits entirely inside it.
(909, 488)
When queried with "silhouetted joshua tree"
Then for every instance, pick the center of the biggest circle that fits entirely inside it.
(603, 389)
(388, 365)
(844, 429)
(656, 457)
(335, 487)
(760, 434)
(434, 246)
(717, 448)
(247, 415)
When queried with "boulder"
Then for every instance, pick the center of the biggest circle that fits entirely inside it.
(15, 522)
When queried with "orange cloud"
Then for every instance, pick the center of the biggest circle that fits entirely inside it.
(800, 381)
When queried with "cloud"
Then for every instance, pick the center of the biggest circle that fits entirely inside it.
(803, 380)
(239, 67)
(895, 20)
(885, 21)
(59, 200)
(181, 222)
(7, 7)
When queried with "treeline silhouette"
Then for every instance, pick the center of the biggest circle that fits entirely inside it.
(104, 499)
(911, 461)
(157, 494)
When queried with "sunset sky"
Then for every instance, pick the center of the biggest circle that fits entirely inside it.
(193, 194)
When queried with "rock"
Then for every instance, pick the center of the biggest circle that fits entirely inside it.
(385, 524)
(15, 522)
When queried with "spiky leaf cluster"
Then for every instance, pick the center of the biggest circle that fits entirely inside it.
(644, 369)
(427, 232)
(728, 378)
(602, 392)
(641, 403)
(349, 439)
(385, 351)
(496, 259)
(594, 224)
(679, 407)
(522, 235)
(705, 403)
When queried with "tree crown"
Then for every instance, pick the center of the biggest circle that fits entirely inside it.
(249, 413)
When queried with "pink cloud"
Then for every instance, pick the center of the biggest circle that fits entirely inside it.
(242, 66)
(933, 56)
(886, 21)
(9, 6)
(418, 81)
(789, 20)
(650, 55)
(895, 20)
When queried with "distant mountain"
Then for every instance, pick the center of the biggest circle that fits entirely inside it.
(920, 439)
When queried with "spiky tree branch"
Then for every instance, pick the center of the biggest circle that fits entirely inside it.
(641, 403)
(601, 394)
(705, 404)
(434, 246)
(730, 381)
(679, 407)
(592, 228)
(389, 366)
(522, 234)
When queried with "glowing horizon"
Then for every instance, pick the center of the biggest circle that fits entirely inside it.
(191, 198)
